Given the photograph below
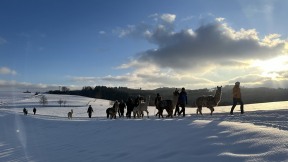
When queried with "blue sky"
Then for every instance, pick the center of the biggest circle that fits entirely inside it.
(147, 44)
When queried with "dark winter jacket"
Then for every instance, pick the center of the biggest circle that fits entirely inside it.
(137, 101)
(90, 110)
(34, 110)
(122, 106)
(130, 105)
(182, 99)
(158, 99)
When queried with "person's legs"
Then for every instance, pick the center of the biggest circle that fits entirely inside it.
(176, 110)
(182, 109)
(241, 107)
(234, 104)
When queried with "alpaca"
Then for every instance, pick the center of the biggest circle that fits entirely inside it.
(169, 105)
(208, 101)
(112, 111)
(70, 114)
(143, 106)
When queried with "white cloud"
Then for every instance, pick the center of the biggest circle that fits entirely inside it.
(187, 18)
(220, 19)
(168, 18)
(5, 70)
(153, 15)
(2, 41)
(102, 32)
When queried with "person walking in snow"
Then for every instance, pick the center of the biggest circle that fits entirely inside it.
(177, 106)
(182, 100)
(137, 101)
(157, 102)
(130, 107)
(25, 111)
(34, 110)
(89, 111)
(121, 107)
(237, 98)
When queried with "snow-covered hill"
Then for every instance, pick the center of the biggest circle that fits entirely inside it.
(258, 135)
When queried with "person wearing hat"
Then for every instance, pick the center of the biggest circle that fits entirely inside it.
(237, 98)
(158, 100)
(182, 100)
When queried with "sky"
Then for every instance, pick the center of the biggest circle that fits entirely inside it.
(142, 44)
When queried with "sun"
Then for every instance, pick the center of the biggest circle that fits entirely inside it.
(272, 66)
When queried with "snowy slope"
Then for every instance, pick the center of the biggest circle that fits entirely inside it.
(50, 136)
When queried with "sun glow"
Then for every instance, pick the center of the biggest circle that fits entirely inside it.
(272, 66)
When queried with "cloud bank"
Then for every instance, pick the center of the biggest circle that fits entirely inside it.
(6, 70)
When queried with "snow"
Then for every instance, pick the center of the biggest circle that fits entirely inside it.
(258, 135)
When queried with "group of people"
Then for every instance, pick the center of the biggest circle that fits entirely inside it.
(25, 111)
(182, 102)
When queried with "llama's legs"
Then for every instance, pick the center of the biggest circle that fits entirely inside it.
(212, 109)
(147, 113)
(134, 114)
(200, 110)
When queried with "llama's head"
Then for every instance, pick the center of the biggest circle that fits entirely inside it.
(72, 111)
(176, 93)
(219, 89)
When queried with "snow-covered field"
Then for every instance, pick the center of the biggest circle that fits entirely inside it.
(261, 134)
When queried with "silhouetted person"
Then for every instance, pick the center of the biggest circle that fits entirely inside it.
(89, 111)
(137, 101)
(157, 102)
(177, 110)
(130, 107)
(121, 107)
(25, 111)
(182, 100)
(34, 110)
(237, 98)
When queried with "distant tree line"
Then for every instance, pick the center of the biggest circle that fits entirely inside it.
(249, 95)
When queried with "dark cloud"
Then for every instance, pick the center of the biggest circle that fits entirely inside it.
(207, 45)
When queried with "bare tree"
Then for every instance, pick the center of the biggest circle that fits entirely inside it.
(60, 102)
(64, 102)
(43, 100)
(65, 89)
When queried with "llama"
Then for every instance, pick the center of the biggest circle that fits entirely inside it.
(143, 106)
(169, 105)
(70, 114)
(208, 101)
(112, 111)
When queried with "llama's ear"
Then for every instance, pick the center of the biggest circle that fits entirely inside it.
(217, 86)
